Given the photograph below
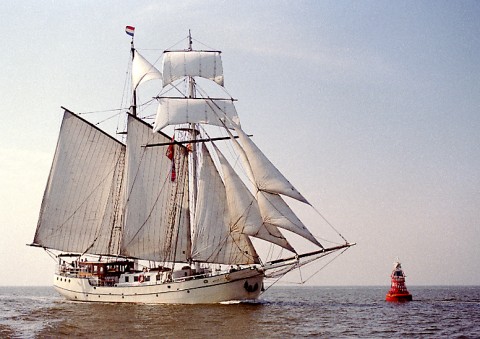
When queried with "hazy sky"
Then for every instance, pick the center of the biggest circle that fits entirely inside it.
(370, 108)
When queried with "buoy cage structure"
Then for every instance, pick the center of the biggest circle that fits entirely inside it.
(398, 291)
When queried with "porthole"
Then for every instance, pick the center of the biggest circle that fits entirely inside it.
(205, 281)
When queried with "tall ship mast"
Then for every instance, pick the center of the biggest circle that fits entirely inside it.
(171, 218)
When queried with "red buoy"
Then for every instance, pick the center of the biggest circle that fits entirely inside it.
(398, 291)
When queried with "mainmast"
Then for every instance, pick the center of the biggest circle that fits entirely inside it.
(193, 133)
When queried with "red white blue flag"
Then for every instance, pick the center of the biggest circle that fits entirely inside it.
(130, 30)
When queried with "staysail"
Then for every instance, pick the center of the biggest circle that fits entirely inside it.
(273, 209)
(267, 177)
(82, 213)
(243, 209)
(157, 218)
(214, 241)
(143, 71)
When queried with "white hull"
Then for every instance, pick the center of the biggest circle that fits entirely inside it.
(240, 285)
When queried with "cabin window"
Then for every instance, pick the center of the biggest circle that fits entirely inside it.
(135, 278)
(147, 278)
(95, 269)
(101, 269)
(127, 279)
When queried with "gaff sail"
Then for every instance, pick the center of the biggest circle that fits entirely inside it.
(81, 208)
(157, 218)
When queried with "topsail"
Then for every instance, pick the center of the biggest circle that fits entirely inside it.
(180, 64)
(174, 111)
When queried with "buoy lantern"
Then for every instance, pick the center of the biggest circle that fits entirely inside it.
(398, 291)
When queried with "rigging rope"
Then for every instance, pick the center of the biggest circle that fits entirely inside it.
(98, 232)
(280, 277)
(321, 268)
(328, 223)
(296, 265)
(82, 203)
(103, 111)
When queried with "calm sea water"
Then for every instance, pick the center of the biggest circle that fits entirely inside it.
(283, 312)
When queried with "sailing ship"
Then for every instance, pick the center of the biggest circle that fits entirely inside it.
(151, 217)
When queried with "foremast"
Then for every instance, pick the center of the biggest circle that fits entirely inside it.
(133, 107)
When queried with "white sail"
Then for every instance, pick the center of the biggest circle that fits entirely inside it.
(205, 64)
(267, 177)
(80, 209)
(174, 111)
(271, 233)
(143, 71)
(243, 209)
(213, 240)
(275, 211)
(157, 219)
